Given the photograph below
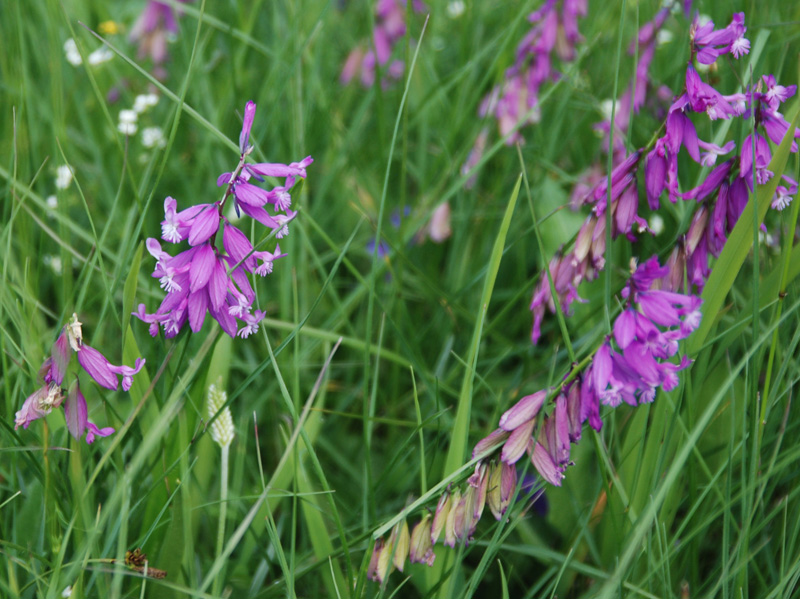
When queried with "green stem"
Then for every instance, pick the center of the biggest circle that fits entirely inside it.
(223, 511)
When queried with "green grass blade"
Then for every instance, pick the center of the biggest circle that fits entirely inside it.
(456, 453)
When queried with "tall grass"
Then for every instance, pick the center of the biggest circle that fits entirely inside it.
(372, 375)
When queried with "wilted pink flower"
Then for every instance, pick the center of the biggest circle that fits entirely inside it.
(42, 401)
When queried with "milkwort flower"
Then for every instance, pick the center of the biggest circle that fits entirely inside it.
(390, 27)
(514, 102)
(724, 192)
(629, 366)
(203, 279)
(53, 371)
(152, 30)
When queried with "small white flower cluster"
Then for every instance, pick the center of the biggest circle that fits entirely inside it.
(222, 430)
(455, 9)
(128, 120)
(153, 137)
(55, 263)
(63, 176)
(99, 56)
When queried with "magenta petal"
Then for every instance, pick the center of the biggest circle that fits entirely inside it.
(218, 285)
(225, 320)
(198, 304)
(223, 179)
(269, 169)
(202, 267)
(98, 367)
(250, 194)
(60, 354)
(625, 328)
(655, 173)
(204, 226)
(258, 213)
(546, 466)
(75, 412)
(517, 443)
(247, 125)
(525, 409)
(490, 442)
(96, 432)
(238, 246)
(601, 368)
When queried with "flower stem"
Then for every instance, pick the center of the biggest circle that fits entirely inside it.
(223, 510)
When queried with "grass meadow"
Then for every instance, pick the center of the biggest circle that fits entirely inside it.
(376, 370)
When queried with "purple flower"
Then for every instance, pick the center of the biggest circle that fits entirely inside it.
(762, 158)
(776, 94)
(390, 27)
(152, 30)
(203, 280)
(704, 98)
(247, 125)
(709, 158)
(708, 44)
(38, 405)
(103, 372)
(783, 194)
(42, 401)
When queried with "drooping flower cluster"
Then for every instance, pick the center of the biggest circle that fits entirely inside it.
(514, 102)
(390, 27)
(203, 279)
(587, 257)
(721, 196)
(629, 366)
(152, 30)
(53, 371)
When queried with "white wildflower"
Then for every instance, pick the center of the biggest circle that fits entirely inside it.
(63, 176)
(55, 263)
(153, 137)
(52, 202)
(128, 116)
(455, 9)
(664, 36)
(144, 101)
(99, 56)
(71, 52)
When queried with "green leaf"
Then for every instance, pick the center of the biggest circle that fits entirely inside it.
(460, 434)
